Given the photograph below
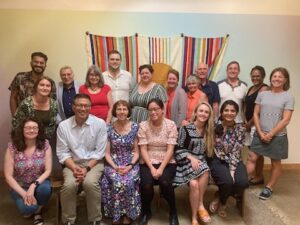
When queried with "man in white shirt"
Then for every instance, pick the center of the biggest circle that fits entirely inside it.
(233, 88)
(118, 80)
(81, 143)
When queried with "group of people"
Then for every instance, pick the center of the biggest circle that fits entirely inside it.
(116, 141)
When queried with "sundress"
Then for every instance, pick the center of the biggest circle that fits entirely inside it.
(120, 193)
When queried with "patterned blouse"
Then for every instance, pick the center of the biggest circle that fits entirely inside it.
(28, 168)
(157, 139)
(139, 101)
(26, 110)
(229, 146)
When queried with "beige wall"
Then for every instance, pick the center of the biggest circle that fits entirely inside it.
(254, 39)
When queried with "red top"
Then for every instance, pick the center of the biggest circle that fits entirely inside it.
(171, 95)
(99, 101)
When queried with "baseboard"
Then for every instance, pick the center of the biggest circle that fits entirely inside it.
(287, 166)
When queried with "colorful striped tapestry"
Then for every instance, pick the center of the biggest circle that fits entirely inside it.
(182, 53)
(207, 50)
(99, 46)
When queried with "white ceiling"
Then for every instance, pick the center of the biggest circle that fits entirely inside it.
(267, 7)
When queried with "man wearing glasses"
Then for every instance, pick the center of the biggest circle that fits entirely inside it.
(81, 143)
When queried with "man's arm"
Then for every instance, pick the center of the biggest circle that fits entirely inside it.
(13, 102)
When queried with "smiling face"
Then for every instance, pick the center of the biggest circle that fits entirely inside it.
(30, 130)
(146, 75)
(278, 80)
(172, 81)
(44, 88)
(202, 114)
(81, 108)
(155, 112)
(202, 71)
(122, 112)
(192, 86)
(93, 78)
(38, 64)
(114, 62)
(229, 113)
(233, 71)
(256, 77)
(67, 76)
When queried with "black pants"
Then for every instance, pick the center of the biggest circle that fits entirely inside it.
(165, 183)
(227, 187)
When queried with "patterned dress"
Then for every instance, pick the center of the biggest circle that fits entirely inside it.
(189, 142)
(28, 168)
(120, 193)
(139, 101)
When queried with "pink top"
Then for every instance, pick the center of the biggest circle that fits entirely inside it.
(157, 139)
(28, 168)
(99, 101)
(192, 102)
(171, 95)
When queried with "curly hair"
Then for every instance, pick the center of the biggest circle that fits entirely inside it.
(18, 139)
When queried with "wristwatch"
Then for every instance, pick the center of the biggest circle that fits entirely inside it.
(36, 183)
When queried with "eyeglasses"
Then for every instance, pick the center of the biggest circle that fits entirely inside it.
(154, 110)
(82, 106)
(31, 128)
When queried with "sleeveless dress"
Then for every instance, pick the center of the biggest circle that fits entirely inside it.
(120, 193)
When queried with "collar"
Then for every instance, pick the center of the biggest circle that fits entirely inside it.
(72, 86)
(87, 122)
(238, 84)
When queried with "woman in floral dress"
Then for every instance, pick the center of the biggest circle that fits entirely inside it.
(120, 182)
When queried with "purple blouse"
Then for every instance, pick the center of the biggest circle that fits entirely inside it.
(28, 168)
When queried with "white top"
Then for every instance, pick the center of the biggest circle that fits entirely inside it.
(237, 94)
(120, 86)
(81, 143)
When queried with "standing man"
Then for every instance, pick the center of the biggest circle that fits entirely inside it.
(66, 90)
(210, 88)
(118, 80)
(234, 89)
(22, 85)
(81, 143)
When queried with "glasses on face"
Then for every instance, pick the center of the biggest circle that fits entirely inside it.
(27, 128)
(154, 110)
(82, 106)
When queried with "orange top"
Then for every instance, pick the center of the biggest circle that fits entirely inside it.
(192, 102)
(171, 95)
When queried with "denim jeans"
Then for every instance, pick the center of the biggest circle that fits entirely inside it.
(42, 194)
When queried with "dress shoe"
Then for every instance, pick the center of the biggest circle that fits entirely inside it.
(173, 219)
(144, 219)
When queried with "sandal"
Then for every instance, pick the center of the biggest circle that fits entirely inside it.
(222, 211)
(214, 205)
(38, 219)
(204, 216)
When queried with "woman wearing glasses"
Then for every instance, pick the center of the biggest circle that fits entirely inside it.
(27, 166)
(99, 93)
(157, 139)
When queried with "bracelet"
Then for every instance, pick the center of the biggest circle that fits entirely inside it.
(88, 168)
(130, 164)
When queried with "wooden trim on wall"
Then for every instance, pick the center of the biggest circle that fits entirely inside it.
(289, 166)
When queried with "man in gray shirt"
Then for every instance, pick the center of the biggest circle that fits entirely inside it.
(81, 143)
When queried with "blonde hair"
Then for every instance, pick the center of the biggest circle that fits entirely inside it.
(209, 138)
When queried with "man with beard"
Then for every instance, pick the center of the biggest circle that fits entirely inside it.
(22, 85)
(118, 80)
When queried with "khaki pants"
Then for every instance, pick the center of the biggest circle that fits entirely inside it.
(91, 188)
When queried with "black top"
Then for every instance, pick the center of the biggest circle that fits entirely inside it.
(250, 102)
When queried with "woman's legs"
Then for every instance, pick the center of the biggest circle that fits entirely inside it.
(275, 173)
(147, 191)
(194, 198)
(251, 164)
(203, 182)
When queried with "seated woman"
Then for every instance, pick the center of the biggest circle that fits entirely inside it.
(195, 143)
(40, 105)
(176, 105)
(157, 139)
(143, 92)
(121, 177)
(194, 97)
(27, 166)
(99, 93)
(227, 168)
